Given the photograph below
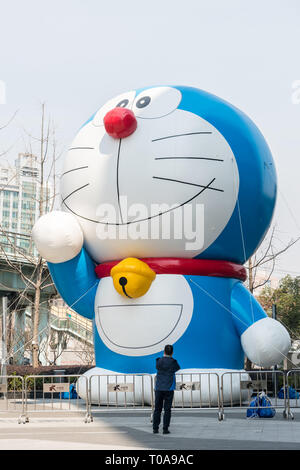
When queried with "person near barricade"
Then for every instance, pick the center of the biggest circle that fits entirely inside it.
(164, 388)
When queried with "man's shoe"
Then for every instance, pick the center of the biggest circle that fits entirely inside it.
(155, 431)
(166, 431)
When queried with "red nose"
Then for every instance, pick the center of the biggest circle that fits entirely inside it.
(120, 122)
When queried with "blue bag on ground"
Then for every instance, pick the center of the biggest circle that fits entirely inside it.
(252, 412)
(267, 411)
(289, 392)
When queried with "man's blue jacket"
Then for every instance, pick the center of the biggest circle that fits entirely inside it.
(166, 367)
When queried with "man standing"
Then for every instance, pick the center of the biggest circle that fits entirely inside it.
(164, 388)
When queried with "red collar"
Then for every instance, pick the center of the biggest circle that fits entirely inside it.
(188, 267)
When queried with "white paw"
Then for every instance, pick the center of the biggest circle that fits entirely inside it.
(266, 342)
(57, 236)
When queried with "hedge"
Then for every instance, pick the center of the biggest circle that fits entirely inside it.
(15, 384)
(46, 370)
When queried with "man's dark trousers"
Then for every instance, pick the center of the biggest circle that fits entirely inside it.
(162, 399)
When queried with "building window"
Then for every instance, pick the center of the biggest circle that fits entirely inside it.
(24, 244)
(29, 173)
(29, 186)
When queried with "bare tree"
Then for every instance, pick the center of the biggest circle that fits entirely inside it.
(18, 339)
(45, 150)
(2, 127)
(86, 354)
(266, 257)
(54, 345)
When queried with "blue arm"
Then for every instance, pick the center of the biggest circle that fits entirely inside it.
(245, 308)
(77, 283)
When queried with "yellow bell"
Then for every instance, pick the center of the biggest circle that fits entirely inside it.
(132, 277)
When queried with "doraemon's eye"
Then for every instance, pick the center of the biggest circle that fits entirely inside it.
(122, 104)
(158, 102)
(142, 102)
(120, 101)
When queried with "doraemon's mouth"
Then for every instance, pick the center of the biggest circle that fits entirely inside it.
(151, 323)
(138, 220)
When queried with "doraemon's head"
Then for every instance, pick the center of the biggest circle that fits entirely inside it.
(147, 155)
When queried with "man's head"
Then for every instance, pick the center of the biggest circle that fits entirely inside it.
(168, 350)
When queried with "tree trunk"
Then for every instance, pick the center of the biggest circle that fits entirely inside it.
(37, 297)
(36, 316)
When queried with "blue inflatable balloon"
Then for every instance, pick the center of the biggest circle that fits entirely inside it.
(166, 192)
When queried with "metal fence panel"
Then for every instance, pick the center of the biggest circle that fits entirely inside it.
(239, 389)
(292, 391)
(12, 395)
(52, 393)
(118, 392)
(197, 391)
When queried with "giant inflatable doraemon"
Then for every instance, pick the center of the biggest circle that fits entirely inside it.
(147, 165)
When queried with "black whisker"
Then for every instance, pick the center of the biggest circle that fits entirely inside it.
(75, 191)
(181, 135)
(74, 169)
(191, 184)
(82, 148)
(189, 158)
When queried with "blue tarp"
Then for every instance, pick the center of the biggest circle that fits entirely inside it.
(72, 394)
(290, 392)
(261, 407)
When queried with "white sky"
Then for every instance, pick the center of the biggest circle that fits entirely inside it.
(75, 54)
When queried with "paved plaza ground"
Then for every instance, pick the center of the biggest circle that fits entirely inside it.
(132, 430)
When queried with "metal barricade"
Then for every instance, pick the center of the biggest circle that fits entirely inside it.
(197, 391)
(120, 392)
(239, 389)
(52, 394)
(292, 391)
(12, 395)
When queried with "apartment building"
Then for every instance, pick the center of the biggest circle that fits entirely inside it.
(20, 193)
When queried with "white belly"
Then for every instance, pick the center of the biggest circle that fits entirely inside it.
(143, 326)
